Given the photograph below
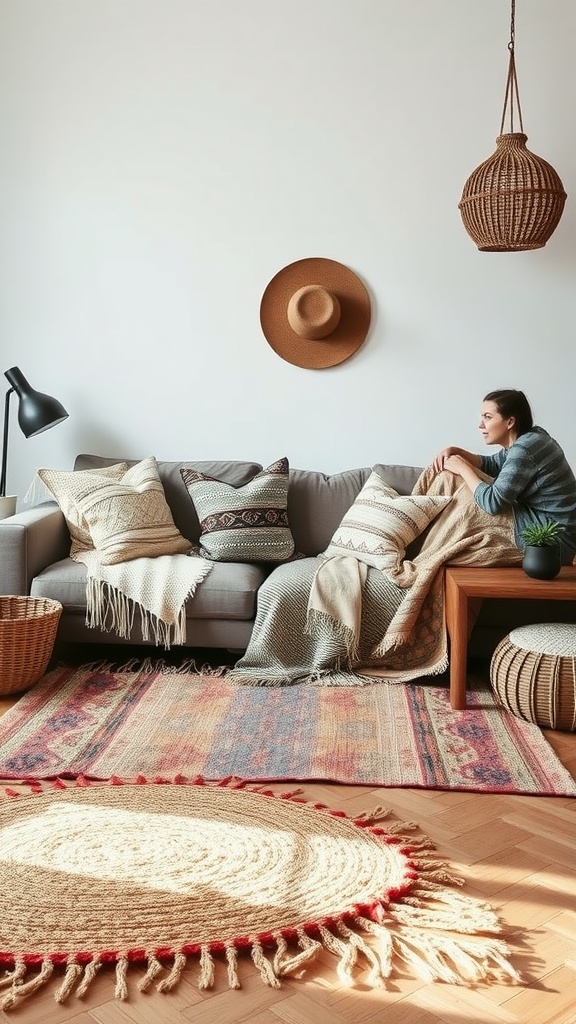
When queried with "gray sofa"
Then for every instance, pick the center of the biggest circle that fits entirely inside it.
(35, 544)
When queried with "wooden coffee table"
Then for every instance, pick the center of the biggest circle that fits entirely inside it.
(462, 582)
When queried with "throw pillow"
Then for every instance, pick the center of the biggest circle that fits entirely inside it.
(130, 518)
(67, 487)
(381, 523)
(243, 524)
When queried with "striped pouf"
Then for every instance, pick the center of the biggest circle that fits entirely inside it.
(533, 674)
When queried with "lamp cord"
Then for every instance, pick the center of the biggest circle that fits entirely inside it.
(512, 95)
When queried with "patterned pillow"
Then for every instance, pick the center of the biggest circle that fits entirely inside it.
(130, 518)
(381, 523)
(67, 488)
(243, 524)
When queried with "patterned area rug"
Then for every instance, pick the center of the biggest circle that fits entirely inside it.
(158, 874)
(100, 723)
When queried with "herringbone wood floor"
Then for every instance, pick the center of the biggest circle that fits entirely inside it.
(516, 852)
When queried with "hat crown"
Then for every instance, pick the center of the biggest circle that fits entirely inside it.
(311, 300)
(313, 312)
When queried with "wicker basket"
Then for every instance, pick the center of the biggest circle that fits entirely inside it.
(28, 628)
(533, 674)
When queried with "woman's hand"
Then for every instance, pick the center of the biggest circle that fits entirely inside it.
(456, 465)
(460, 466)
(438, 463)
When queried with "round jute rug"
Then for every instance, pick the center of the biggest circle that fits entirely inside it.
(159, 873)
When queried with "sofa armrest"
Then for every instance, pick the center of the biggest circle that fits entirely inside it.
(29, 542)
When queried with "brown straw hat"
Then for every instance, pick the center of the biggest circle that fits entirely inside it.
(315, 313)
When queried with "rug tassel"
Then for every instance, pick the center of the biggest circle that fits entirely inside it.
(206, 968)
(14, 977)
(394, 828)
(309, 949)
(264, 966)
(72, 974)
(232, 966)
(90, 971)
(18, 993)
(346, 953)
(458, 918)
(383, 937)
(154, 968)
(121, 990)
(376, 975)
(437, 871)
(377, 813)
(443, 958)
(167, 984)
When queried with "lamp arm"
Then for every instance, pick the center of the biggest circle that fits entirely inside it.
(5, 443)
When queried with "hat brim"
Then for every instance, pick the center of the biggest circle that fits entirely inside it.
(355, 313)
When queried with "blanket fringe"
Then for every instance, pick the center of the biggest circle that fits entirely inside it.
(112, 611)
(321, 622)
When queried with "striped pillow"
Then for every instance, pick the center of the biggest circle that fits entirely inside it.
(127, 517)
(381, 523)
(243, 524)
(67, 488)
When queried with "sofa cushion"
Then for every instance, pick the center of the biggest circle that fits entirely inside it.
(228, 592)
(183, 512)
(318, 501)
(401, 478)
(316, 504)
(66, 486)
(130, 518)
(243, 524)
(380, 524)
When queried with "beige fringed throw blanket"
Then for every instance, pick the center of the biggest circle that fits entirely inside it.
(157, 587)
(462, 534)
(336, 621)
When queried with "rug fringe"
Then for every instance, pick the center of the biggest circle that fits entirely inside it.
(90, 971)
(73, 973)
(175, 974)
(232, 966)
(21, 990)
(438, 957)
(427, 946)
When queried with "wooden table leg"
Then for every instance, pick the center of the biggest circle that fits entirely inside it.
(457, 626)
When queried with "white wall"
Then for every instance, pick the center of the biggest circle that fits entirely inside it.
(161, 160)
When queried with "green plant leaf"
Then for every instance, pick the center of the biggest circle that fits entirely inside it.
(541, 535)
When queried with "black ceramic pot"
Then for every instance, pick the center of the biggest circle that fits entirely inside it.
(541, 563)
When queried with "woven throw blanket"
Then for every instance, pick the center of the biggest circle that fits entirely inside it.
(284, 648)
(463, 534)
(157, 587)
(322, 621)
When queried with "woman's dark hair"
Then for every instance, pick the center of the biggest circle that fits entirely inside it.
(513, 403)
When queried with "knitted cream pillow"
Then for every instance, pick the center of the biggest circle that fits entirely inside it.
(130, 518)
(381, 523)
(68, 487)
(243, 524)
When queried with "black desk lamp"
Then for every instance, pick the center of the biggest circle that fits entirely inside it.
(36, 412)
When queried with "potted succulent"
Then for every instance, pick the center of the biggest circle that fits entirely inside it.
(541, 551)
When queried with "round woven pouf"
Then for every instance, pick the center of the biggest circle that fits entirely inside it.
(533, 674)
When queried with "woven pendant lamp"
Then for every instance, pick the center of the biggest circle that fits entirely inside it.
(514, 200)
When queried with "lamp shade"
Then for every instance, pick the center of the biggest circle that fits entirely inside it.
(36, 411)
(514, 200)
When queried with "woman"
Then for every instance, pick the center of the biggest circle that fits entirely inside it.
(530, 474)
